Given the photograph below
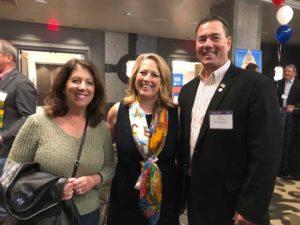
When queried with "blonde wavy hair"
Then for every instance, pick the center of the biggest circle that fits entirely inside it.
(165, 90)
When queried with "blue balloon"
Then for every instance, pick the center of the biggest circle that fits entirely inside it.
(284, 34)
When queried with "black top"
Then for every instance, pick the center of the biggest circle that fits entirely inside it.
(124, 198)
(149, 119)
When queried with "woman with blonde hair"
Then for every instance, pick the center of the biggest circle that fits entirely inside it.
(145, 129)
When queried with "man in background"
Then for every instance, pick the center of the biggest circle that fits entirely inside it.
(230, 131)
(288, 92)
(17, 102)
(252, 67)
(288, 89)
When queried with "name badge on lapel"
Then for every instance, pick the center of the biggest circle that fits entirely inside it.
(3, 96)
(222, 120)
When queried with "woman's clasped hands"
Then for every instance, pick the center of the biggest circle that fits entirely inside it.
(79, 186)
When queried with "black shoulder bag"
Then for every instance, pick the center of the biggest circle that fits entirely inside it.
(35, 201)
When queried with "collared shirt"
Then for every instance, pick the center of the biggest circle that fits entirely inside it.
(4, 74)
(287, 87)
(205, 92)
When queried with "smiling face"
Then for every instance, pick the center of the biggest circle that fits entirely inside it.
(80, 88)
(212, 45)
(148, 80)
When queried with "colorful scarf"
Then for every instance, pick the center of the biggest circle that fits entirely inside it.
(150, 142)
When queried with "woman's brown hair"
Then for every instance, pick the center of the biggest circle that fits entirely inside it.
(55, 104)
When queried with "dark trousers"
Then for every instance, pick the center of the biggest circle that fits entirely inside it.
(92, 218)
(3, 212)
(288, 134)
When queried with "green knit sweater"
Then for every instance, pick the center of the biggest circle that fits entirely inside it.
(42, 140)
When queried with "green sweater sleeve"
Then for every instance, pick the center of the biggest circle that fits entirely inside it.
(25, 144)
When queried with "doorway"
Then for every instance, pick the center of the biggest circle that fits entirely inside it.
(41, 67)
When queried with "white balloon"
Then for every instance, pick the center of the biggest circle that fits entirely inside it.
(284, 14)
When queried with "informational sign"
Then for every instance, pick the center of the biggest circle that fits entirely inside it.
(182, 72)
(177, 83)
(245, 56)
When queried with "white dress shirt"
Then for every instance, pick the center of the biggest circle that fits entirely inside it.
(287, 87)
(205, 92)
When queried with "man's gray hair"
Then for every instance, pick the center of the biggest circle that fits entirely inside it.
(292, 66)
(7, 48)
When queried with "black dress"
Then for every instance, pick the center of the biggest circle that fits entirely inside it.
(124, 198)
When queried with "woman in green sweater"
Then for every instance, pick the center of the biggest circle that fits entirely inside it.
(52, 138)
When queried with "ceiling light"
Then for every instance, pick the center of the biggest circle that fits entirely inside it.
(41, 1)
(128, 14)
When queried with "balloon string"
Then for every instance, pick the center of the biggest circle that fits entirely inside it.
(279, 54)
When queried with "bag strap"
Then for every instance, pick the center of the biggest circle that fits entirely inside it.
(77, 162)
(70, 212)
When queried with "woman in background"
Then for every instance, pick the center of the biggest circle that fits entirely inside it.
(145, 128)
(52, 138)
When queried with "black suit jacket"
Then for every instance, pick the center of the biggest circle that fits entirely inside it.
(294, 95)
(233, 170)
(19, 104)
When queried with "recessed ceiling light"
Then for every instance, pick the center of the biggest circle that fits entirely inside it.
(128, 13)
(41, 1)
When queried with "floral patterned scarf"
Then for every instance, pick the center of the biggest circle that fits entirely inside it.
(150, 142)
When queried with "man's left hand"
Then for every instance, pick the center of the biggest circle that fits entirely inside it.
(290, 108)
(240, 220)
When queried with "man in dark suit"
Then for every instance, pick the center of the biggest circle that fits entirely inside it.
(288, 89)
(288, 92)
(294, 151)
(17, 102)
(230, 132)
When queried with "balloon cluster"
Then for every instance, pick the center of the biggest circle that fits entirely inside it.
(284, 15)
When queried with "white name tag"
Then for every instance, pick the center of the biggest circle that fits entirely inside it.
(283, 96)
(221, 120)
(3, 96)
